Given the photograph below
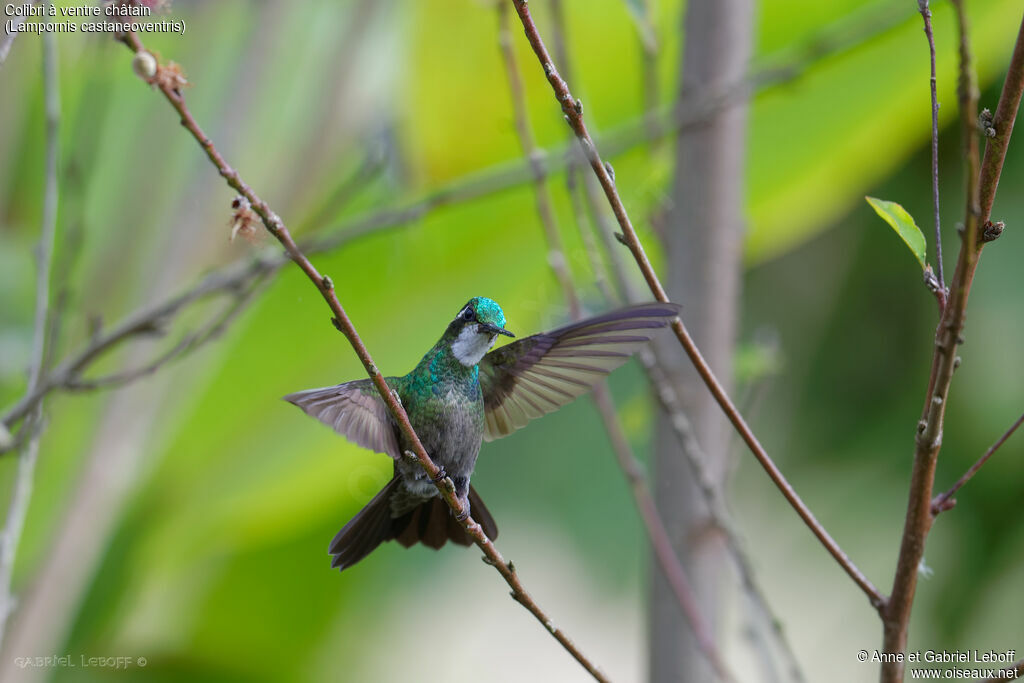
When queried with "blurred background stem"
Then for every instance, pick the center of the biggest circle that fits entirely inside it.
(14, 521)
(704, 232)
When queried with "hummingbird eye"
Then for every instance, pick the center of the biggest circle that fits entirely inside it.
(467, 313)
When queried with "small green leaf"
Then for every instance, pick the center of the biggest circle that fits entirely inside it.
(904, 225)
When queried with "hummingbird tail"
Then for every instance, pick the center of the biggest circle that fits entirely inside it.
(430, 523)
(433, 524)
(481, 515)
(364, 532)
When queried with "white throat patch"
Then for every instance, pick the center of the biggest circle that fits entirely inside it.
(470, 346)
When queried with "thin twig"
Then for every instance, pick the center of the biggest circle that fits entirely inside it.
(715, 504)
(945, 501)
(234, 282)
(590, 248)
(22, 494)
(585, 200)
(556, 252)
(168, 85)
(657, 534)
(948, 335)
(573, 161)
(967, 96)
(653, 525)
(213, 329)
(926, 14)
(573, 111)
(640, 11)
(606, 231)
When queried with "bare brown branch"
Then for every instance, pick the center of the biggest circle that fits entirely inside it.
(945, 501)
(919, 518)
(653, 525)
(235, 282)
(192, 341)
(926, 14)
(715, 504)
(171, 91)
(573, 111)
(586, 201)
(657, 534)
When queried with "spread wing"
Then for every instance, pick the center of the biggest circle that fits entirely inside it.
(355, 410)
(539, 374)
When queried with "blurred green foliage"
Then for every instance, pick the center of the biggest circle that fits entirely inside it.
(215, 565)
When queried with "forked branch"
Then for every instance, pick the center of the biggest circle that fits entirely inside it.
(945, 501)
(919, 518)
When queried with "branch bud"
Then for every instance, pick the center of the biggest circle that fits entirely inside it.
(991, 231)
(986, 123)
(144, 65)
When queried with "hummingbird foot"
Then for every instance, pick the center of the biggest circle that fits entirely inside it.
(462, 489)
(462, 493)
(441, 475)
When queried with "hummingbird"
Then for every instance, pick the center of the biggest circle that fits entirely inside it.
(460, 394)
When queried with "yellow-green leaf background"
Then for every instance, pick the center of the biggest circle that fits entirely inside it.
(218, 499)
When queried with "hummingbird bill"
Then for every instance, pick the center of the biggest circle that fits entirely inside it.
(460, 394)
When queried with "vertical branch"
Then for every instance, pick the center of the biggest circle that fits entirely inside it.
(919, 516)
(44, 258)
(926, 14)
(1002, 127)
(967, 96)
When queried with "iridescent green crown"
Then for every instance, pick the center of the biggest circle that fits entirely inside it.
(487, 311)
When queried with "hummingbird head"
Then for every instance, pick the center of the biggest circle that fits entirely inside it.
(475, 329)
